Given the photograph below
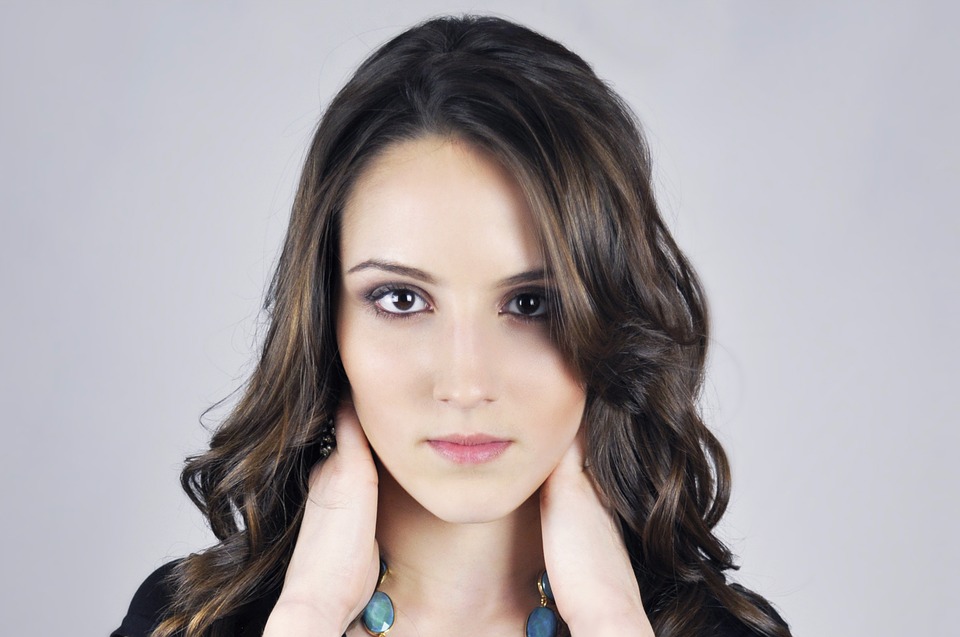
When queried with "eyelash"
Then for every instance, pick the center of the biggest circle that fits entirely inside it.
(373, 297)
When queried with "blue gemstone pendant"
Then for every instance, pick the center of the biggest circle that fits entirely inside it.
(542, 622)
(379, 615)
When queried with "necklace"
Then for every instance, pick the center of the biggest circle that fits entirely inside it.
(379, 614)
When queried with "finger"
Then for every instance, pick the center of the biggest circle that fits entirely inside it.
(348, 432)
(572, 461)
(349, 440)
(349, 467)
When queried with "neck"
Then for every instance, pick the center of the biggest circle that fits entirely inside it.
(449, 578)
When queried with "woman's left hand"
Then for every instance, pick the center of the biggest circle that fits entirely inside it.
(592, 580)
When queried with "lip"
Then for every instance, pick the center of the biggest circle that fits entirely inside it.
(469, 449)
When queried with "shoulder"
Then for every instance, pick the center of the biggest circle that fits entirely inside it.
(149, 604)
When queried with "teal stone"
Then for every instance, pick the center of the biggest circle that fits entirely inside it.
(545, 585)
(542, 622)
(378, 616)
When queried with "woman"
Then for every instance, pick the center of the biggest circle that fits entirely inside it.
(482, 364)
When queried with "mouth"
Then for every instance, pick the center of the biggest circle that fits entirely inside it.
(469, 449)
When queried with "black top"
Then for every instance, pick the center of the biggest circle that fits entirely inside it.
(150, 603)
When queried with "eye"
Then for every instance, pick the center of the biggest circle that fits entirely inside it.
(399, 301)
(527, 305)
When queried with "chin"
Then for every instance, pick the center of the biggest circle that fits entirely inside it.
(469, 503)
(470, 513)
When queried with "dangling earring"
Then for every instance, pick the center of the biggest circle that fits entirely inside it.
(327, 441)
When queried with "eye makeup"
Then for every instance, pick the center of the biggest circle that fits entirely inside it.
(527, 305)
(535, 299)
(372, 300)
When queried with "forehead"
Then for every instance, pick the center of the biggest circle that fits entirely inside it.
(438, 203)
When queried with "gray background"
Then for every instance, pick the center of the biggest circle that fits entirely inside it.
(806, 157)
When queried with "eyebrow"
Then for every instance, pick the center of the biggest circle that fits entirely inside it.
(416, 273)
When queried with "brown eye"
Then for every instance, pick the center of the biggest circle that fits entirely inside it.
(401, 301)
(528, 304)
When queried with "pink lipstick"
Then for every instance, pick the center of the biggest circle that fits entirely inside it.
(472, 449)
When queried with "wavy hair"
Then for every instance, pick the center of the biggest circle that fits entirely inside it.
(632, 322)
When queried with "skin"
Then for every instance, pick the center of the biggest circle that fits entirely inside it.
(459, 346)
(457, 355)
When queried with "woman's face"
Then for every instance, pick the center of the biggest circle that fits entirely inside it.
(443, 331)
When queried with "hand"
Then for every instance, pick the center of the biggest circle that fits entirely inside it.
(336, 561)
(593, 583)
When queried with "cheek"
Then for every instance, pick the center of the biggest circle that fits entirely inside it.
(542, 381)
(392, 366)
(386, 374)
(548, 403)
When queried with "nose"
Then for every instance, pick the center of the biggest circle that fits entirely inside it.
(466, 371)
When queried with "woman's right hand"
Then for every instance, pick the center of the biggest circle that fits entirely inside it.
(336, 561)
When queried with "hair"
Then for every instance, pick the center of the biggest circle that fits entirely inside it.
(631, 320)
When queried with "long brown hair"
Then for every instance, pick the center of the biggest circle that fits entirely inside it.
(632, 321)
